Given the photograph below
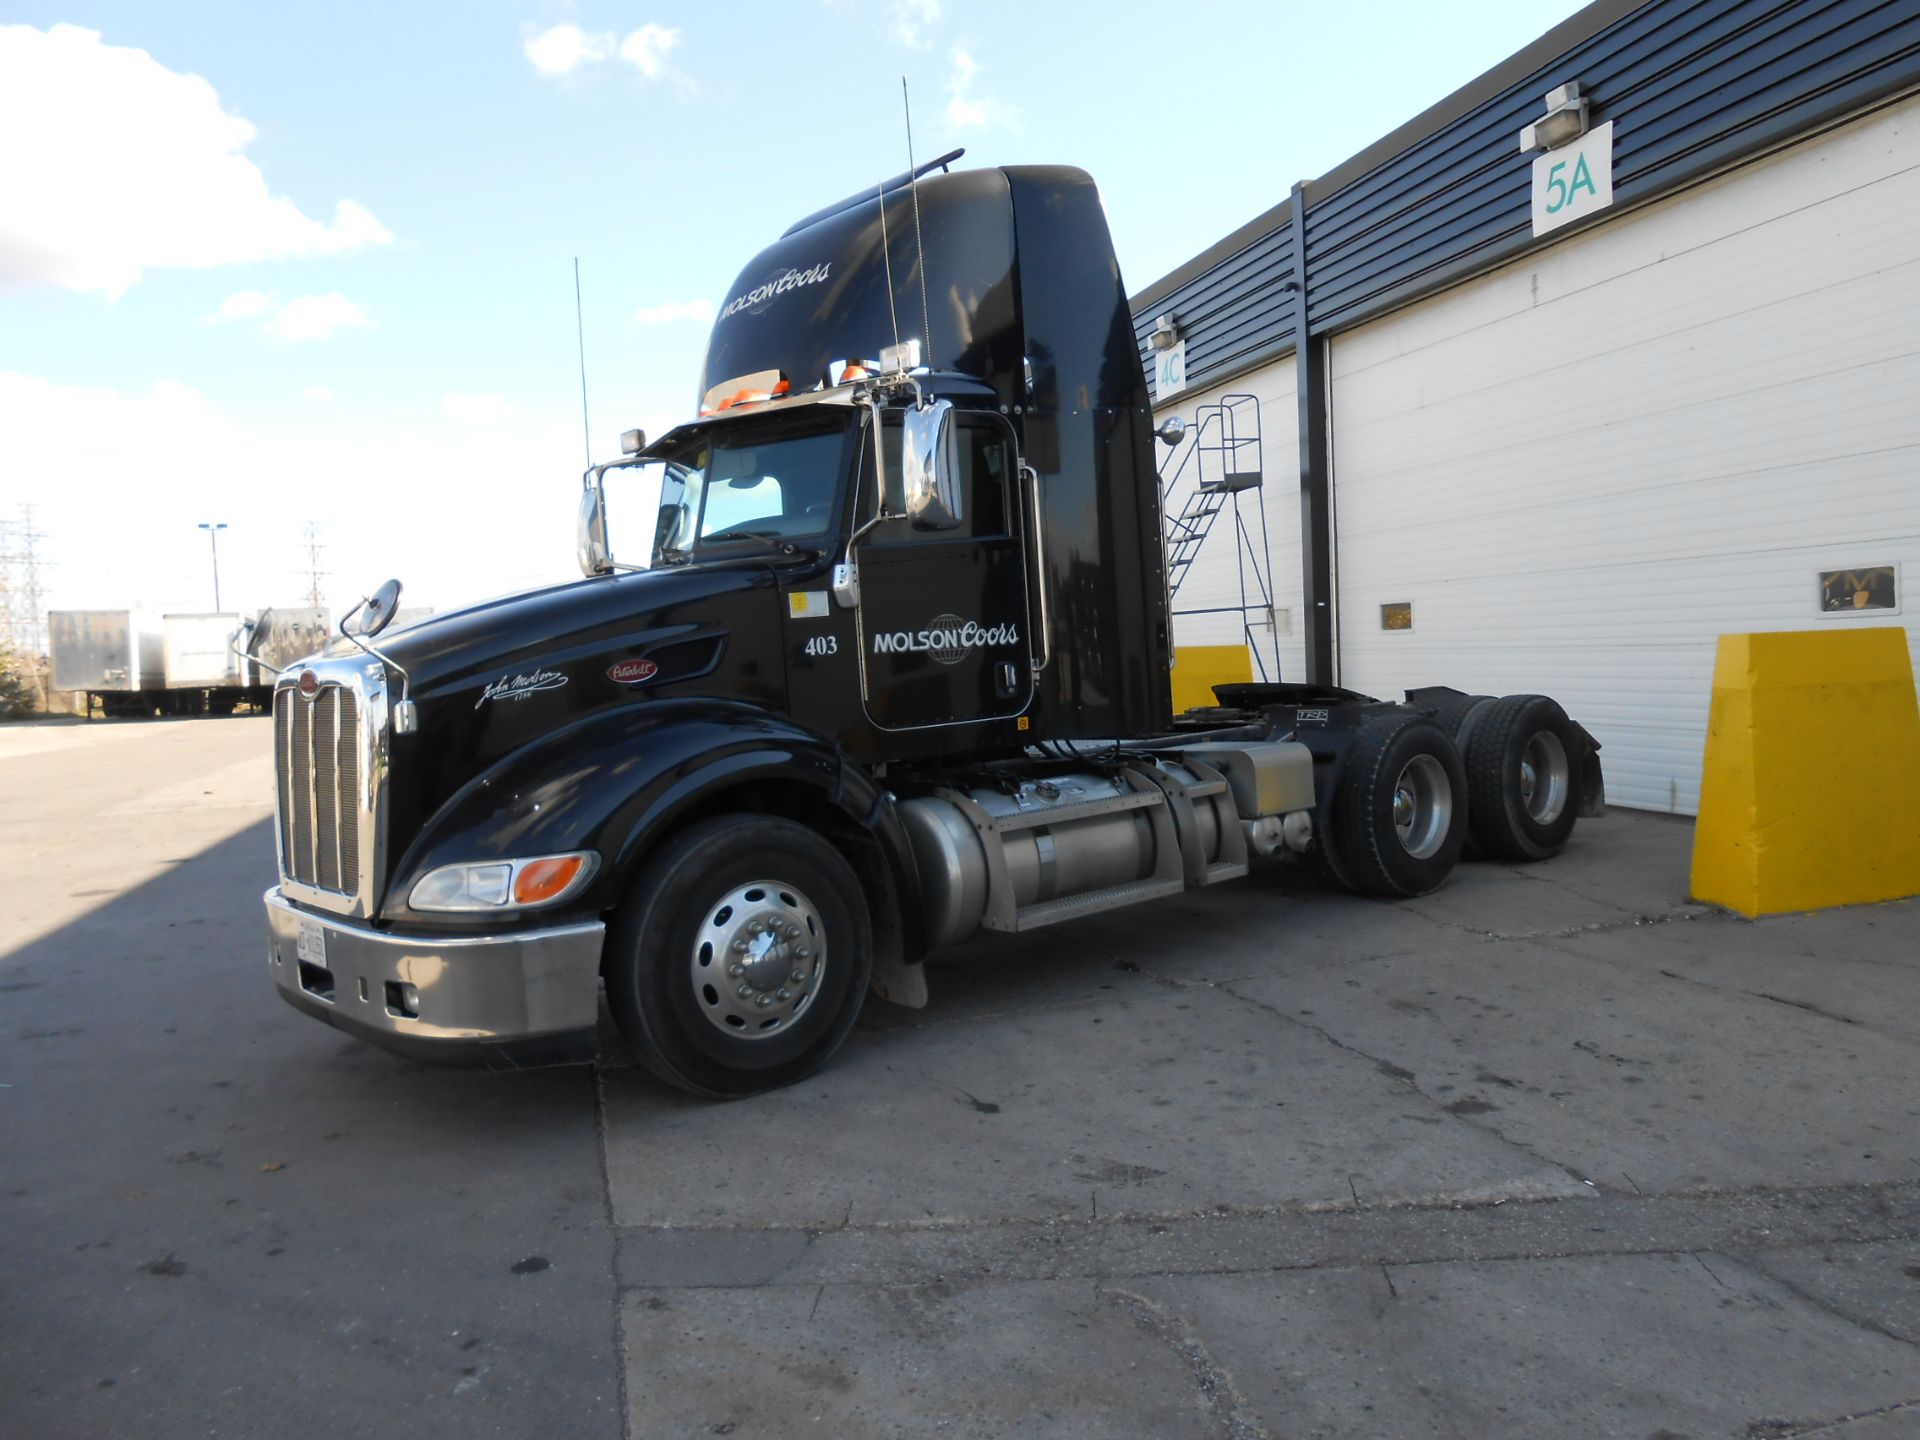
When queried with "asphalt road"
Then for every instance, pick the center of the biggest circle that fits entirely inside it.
(1549, 1152)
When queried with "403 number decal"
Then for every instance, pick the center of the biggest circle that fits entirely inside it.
(823, 645)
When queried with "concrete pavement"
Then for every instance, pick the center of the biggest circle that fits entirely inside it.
(1549, 1152)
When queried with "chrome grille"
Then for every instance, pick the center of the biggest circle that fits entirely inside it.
(317, 763)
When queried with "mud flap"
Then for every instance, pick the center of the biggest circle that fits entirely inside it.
(897, 982)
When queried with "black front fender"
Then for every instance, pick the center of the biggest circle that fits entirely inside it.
(614, 782)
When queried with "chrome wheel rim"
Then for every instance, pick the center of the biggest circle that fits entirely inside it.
(1544, 777)
(1422, 806)
(757, 959)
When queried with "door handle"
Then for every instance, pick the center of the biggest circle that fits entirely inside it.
(1036, 531)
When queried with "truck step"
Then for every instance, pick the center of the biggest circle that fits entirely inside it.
(1225, 870)
(1093, 902)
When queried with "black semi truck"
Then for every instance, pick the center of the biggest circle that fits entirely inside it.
(895, 671)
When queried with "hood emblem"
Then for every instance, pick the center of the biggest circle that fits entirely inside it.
(309, 684)
(632, 672)
(518, 687)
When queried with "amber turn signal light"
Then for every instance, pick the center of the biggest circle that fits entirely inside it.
(542, 880)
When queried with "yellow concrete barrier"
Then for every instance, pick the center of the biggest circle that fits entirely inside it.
(1198, 668)
(1810, 794)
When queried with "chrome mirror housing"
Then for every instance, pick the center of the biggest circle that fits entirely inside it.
(595, 557)
(374, 614)
(930, 467)
(1172, 430)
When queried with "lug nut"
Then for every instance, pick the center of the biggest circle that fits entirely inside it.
(736, 971)
(797, 976)
(744, 992)
(765, 1000)
(785, 994)
(739, 947)
(801, 952)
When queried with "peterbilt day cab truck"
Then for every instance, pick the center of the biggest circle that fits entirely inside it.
(894, 672)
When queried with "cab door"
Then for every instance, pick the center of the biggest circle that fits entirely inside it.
(943, 624)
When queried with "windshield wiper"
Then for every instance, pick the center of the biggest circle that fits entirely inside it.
(740, 535)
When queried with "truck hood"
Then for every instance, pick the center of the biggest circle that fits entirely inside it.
(561, 625)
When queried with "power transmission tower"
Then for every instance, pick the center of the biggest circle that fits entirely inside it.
(23, 623)
(316, 592)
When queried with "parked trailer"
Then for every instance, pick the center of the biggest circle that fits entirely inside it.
(115, 657)
(208, 672)
(897, 673)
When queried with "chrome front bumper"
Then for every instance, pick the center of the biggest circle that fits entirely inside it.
(502, 1001)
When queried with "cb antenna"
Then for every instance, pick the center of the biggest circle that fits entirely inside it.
(580, 332)
(886, 259)
(920, 255)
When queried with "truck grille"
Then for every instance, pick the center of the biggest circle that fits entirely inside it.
(317, 753)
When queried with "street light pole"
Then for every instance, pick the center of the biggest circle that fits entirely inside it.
(213, 537)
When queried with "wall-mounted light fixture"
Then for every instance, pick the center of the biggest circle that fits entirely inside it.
(1166, 333)
(1566, 119)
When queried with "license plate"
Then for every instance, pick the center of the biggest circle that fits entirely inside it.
(311, 946)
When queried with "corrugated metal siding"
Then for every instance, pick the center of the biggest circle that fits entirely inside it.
(1237, 313)
(1214, 580)
(1689, 86)
(1692, 85)
(1584, 467)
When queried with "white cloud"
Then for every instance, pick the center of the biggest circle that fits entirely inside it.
(306, 317)
(319, 394)
(244, 305)
(478, 409)
(967, 110)
(673, 310)
(646, 49)
(133, 167)
(913, 19)
(315, 317)
(565, 48)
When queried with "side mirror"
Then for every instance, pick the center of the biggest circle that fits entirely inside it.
(1172, 430)
(930, 467)
(371, 616)
(595, 557)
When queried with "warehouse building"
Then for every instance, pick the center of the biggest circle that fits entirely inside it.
(1612, 352)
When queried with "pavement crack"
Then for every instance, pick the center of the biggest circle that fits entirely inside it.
(1232, 1416)
(1399, 1075)
(1788, 1429)
(613, 1253)
(1827, 1307)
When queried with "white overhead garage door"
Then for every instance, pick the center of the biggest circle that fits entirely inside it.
(1581, 469)
(1213, 583)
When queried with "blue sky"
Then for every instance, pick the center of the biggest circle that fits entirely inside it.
(176, 347)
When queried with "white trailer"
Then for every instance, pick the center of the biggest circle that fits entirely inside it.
(200, 650)
(118, 655)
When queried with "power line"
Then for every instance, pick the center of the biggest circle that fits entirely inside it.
(23, 620)
(316, 592)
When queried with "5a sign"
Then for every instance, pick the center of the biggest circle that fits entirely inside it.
(1573, 181)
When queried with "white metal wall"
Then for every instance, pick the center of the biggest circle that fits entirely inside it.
(1584, 467)
(1214, 579)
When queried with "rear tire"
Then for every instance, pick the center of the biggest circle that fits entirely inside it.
(1524, 778)
(702, 957)
(1459, 717)
(1400, 820)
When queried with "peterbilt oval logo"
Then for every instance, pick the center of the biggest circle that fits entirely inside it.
(632, 672)
(309, 683)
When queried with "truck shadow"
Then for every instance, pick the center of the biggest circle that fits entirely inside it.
(200, 1182)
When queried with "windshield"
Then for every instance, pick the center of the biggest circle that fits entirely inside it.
(751, 483)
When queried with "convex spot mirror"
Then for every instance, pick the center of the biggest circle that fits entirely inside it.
(595, 557)
(930, 467)
(373, 615)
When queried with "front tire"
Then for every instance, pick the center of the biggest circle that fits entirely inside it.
(741, 959)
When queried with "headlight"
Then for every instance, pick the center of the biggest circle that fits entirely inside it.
(504, 884)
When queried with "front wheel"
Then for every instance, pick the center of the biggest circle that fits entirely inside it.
(741, 959)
